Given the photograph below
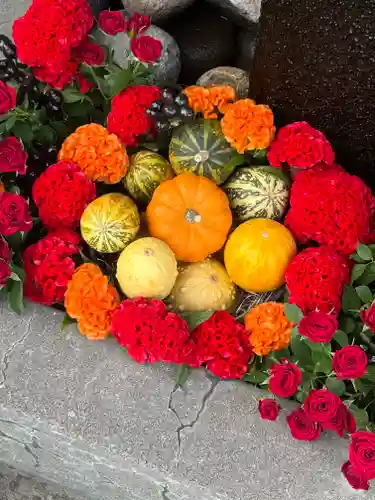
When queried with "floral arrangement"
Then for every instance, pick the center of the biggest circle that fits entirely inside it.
(83, 140)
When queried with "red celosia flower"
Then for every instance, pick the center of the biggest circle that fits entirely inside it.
(149, 332)
(47, 33)
(331, 207)
(61, 194)
(89, 53)
(301, 146)
(57, 79)
(128, 118)
(49, 267)
(315, 279)
(223, 345)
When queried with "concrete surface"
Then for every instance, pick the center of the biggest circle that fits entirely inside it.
(10, 10)
(84, 416)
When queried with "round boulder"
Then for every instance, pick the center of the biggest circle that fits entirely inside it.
(157, 9)
(227, 75)
(242, 10)
(169, 67)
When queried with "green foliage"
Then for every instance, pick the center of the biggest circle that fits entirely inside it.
(341, 338)
(364, 293)
(193, 319)
(67, 321)
(336, 386)
(293, 313)
(300, 349)
(350, 299)
(361, 416)
(183, 373)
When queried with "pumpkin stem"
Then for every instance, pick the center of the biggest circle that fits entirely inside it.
(202, 156)
(192, 216)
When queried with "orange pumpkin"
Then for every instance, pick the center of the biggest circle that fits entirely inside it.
(192, 215)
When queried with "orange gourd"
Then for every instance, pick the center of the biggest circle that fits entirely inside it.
(192, 215)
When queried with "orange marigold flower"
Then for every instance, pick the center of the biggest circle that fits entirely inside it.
(269, 328)
(2, 188)
(206, 100)
(91, 300)
(247, 125)
(98, 153)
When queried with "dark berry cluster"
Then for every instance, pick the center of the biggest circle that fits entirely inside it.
(12, 69)
(40, 157)
(170, 111)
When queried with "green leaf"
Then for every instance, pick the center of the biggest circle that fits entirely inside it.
(119, 80)
(183, 374)
(72, 95)
(299, 348)
(45, 134)
(193, 319)
(358, 270)
(336, 386)
(259, 156)
(367, 278)
(341, 338)
(67, 320)
(23, 131)
(293, 313)
(15, 241)
(355, 257)
(370, 373)
(9, 124)
(350, 299)
(322, 358)
(364, 293)
(347, 324)
(364, 252)
(256, 377)
(361, 416)
(19, 271)
(77, 110)
(15, 297)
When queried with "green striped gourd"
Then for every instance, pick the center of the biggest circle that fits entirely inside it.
(201, 148)
(146, 172)
(256, 192)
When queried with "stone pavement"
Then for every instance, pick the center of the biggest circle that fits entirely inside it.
(10, 10)
(84, 416)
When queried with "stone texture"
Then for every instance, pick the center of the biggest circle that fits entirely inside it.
(227, 75)
(315, 61)
(10, 10)
(242, 10)
(169, 66)
(246, 44)
(206, 40)
(83, 415)
(157, 9)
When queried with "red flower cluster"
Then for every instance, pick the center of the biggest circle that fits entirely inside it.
(47, 34)
(223, 345)
(350, 362)
(149, 332)
(285, 379)
(301, 146)
(315, 279)
(14, 214)
(113, 22)
(127, 118)
(49, 266)
(12, 156)
(61, 194)
(318, 326)
(321, 410)
(331, 207)
(5, 257)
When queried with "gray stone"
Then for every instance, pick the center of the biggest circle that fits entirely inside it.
(157, 9)
(10, 10)
(246, 44)
(227, 75)
(169, 66)
(83, 415)
(247, 10)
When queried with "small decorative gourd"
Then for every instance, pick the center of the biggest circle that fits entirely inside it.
(192, 215)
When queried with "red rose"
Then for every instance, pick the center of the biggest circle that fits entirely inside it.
(5, 272)
(89, 53)
(14, 214)
(285, 379)
(350, 362)
(354, 478)
(368, 317)
(362, 453)
(5, 253)
(7, 98)
(138, 23)
(112, 22)
(268, 409)
(146, 48)
(342, 421)
(84, 84)
(321, 405)
(318, 327)
(302, 427)
(12, 156)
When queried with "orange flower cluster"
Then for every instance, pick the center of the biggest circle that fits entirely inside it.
(207, 100)
(2, 188)
(247, 125)
(269, 328)
(98, 153)
(91, 300)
